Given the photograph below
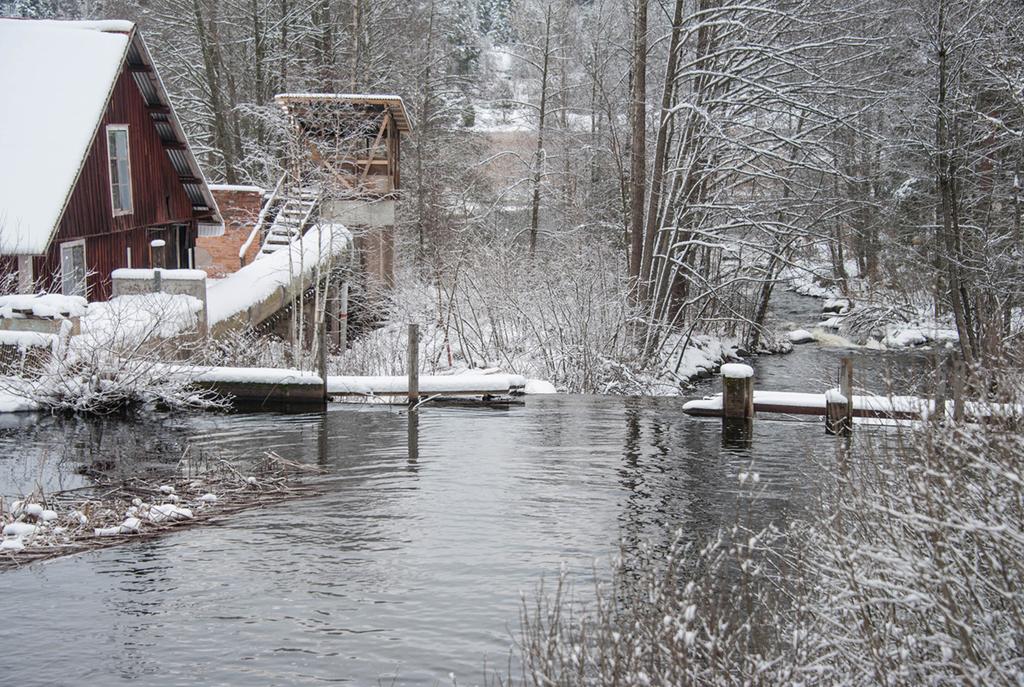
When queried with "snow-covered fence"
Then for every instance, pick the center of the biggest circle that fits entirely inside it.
(132, 282)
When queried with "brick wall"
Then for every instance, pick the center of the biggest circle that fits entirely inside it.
(240, 206)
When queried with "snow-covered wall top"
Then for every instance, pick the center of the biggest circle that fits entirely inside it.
(261, 278)
(235, 187)
(55, 82)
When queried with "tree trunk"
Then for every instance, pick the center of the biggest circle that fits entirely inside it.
(654, 204)
(538, 162)
(638, 144)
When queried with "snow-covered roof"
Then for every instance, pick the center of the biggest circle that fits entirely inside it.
(392, 103)
(56, 83)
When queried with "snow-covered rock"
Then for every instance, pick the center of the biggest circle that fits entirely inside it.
(839, 306)
(34, 509)
(12, 544)
(49, 515)
(800, 336)
(131, 526)
(208, 498)
(905, 338)
(539, 386)
(19, 529)
(169, 512)
(166, 489)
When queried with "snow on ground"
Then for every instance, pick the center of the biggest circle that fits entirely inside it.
(127, 321)
(260, 279)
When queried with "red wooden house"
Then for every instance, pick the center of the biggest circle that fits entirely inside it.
(94, 164)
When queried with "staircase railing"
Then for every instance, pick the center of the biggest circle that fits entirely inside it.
(261, 219)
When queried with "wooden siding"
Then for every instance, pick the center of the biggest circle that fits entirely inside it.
(157, 198)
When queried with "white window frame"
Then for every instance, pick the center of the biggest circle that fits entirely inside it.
(128, 152)
(85, 268)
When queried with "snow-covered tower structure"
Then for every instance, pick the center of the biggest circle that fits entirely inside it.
(343, 168)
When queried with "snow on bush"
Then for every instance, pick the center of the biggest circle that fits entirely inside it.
(563, 317)
(118, 359)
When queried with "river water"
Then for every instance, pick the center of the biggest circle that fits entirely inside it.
(409, 568)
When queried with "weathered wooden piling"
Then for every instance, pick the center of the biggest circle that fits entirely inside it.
(839, 401)
(836, 419)
(737, 391)
(414, 364)
(156, 253)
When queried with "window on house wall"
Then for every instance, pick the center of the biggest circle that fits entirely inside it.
(72, 268)
(120, 169)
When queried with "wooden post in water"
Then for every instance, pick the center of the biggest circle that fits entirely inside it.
(322, 357)
(414, 364)
(846, 388)
(835, 413)
(737, 392)
(737, 405)
(839, 402)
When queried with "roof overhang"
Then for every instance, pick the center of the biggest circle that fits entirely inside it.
(140, 63)
(294, 102)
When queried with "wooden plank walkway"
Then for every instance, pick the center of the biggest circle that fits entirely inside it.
(879, 407)
(271, 387)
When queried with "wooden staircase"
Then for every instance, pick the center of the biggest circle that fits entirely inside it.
(291, 220)
(288, 214)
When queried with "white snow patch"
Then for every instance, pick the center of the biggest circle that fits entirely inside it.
(169, 511)
(260, 279)
(539, 386)
(56, 82)
(255, 375)
(25, 340)
(53, 305)
(19, 529)
(834, 396)
(166, 275)
(428, 384)
(235, 187)
(737, 371)
(12, 544)
(800, 336)
(127, 321)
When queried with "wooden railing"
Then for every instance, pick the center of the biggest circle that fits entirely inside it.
(260, 220)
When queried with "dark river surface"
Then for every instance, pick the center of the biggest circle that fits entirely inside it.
(411, 565)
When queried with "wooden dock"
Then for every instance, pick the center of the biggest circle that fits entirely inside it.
(795, 403)
(739, 402)
(272, 388)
